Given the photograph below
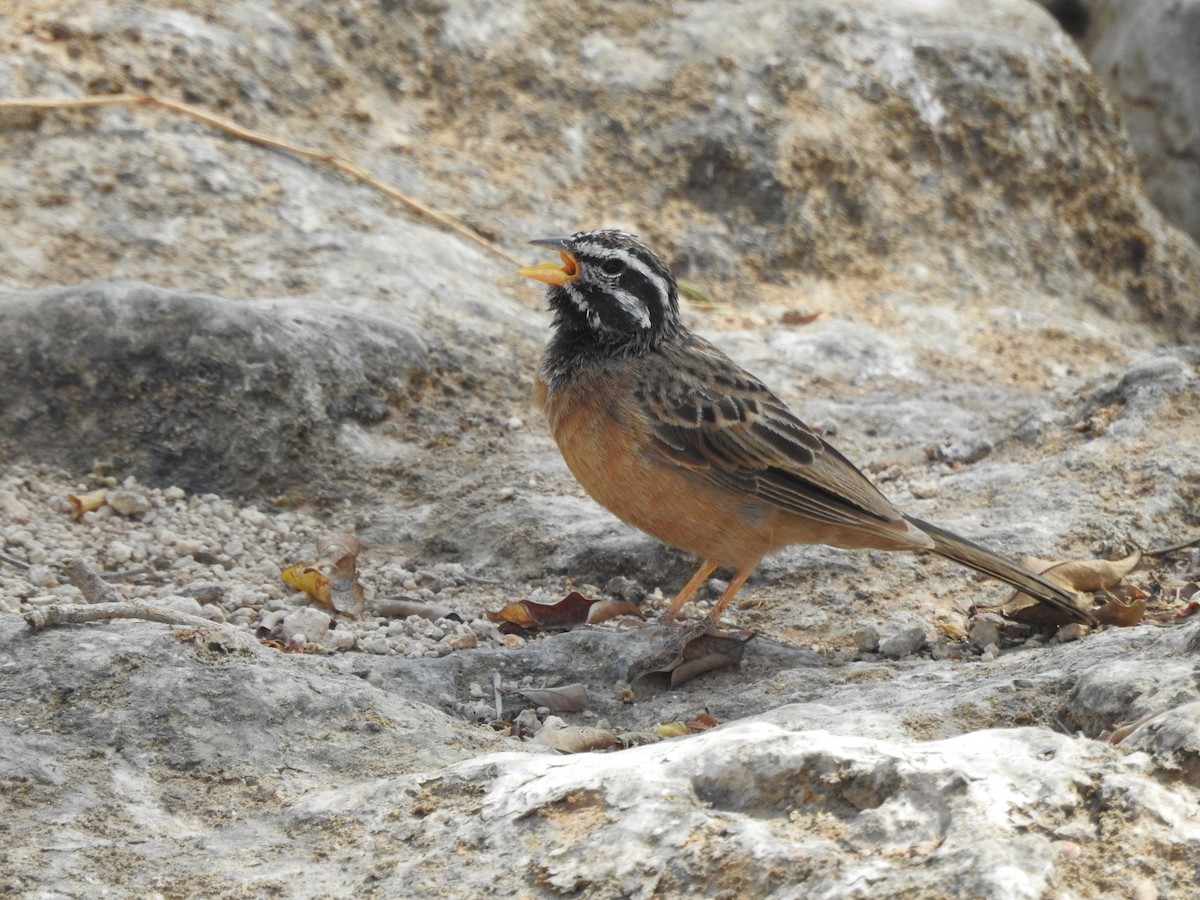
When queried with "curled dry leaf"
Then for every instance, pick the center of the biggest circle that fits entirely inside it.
(81, 503)
(525, 615)
(801, 316)
(1074, 575)
(1124, 615)
(671, 730)
(1085, 574)
(403, 607)
(333, 579)
(337, 556)
(603, 610)
(575, 738)
(568, 698)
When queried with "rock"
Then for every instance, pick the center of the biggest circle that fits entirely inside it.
(947, 185)
(985, 633)
(906, 643)
(128, 503)
(1173, 739)
(866, 639)
(312, 622)
(1146, 56)
(228, 395)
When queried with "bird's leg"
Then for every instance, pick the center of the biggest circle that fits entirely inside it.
(701, 576)
(739, 578)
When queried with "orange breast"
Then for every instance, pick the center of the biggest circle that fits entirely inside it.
(603, 439)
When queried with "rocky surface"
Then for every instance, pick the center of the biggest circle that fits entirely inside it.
(1146, 56)
(250, 352)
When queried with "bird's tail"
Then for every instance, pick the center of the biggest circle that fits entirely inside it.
(983, 560)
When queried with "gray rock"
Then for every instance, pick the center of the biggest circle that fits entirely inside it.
(906, 643)
(195, 390)
(947, 184)
(1146, 55)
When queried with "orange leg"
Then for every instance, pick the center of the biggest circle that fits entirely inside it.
(701, 576)
(739, 578)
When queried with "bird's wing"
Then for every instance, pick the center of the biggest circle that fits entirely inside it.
(708, 414)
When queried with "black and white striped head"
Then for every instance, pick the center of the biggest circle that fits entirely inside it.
(610, 287)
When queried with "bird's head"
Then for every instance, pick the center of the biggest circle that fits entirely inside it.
(611, 289)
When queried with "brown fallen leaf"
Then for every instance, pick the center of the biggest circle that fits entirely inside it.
(691, 650)
(1074, 575)
(568, 698)
(1124, 615)
(525, 615)
(1085, 574)
(702, 722)
(800, 316)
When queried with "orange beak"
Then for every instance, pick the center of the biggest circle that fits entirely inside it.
(552, 273)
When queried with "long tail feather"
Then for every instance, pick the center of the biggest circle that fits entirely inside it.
(969, 554)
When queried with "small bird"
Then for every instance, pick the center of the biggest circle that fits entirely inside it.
(673, 437)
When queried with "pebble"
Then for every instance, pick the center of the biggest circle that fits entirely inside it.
(906, 643)
(129, 503)
(309, 620)
(984, 633)
(120, 552)
(221, 561)
(866, 639)
(1072, 632)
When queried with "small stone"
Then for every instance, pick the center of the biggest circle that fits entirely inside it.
(866, 639)
(120, 552)
(461, 641)
(1072, 632)
(12, 508)
(312, 622)
(186, 605)
(1144, 889)
(42, 576)
(906, 643)
(174, 493)
(923, 490)
(984, 633)
(129, 503)
(340, 639)
(514, 423)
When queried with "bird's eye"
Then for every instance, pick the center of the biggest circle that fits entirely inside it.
(612, 267)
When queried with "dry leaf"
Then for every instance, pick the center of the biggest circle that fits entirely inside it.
(800, 316)
(333, 579)
(525, 615)
(337, 556)
(702, 722)
(569, 698)
(403, 607)
(1125, 615)
(603, 610)
(671, 730)
(683, 652)
(310, 579)
(81, 503)
(1074, 575)
(575, 738)
(1085, 574)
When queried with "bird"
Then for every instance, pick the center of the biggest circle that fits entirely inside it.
(672, 436)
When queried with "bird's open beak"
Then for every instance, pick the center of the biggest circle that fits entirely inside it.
(552, 273)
